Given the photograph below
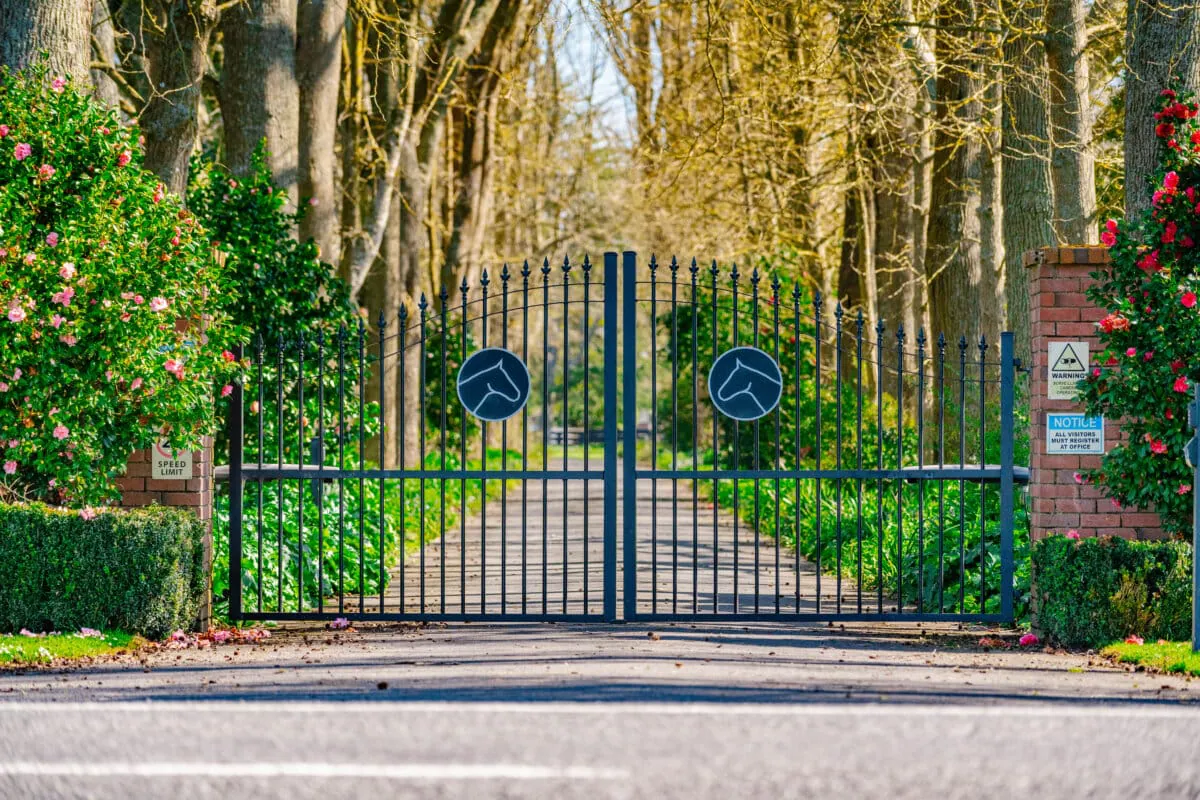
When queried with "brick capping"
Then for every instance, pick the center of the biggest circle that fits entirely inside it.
(1059, 309)
(195, 493)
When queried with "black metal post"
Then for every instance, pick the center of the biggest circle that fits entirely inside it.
(236, 443)
(629, 401)
(610, 436)
(1007, 374)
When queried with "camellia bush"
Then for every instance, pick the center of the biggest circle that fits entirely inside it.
(1151, 335)
(110, 330)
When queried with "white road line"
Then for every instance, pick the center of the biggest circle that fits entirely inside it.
(1081, 708)
(288, 769)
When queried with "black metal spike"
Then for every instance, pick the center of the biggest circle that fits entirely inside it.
(733, 274)
(713, 269)
(921, 337)
(880, 328)
(382, 322)
(775, 283)
(653, 262)
(900, 333)
(566, 267)
(817, 300)
(403, 313)
(423, 304)
(674, 265)
(484, 280)
(362, 326)
(796, 293)
(942, 342)
(755, 277)
(342, 331)
(983, 345)
(445, 294)
(545, 266)
(321, 332)
(962, 344)
(525, 270)
(587, 263)
(258, 346)
(695, 268)
(504, 275)
(860, 320)
(838, 311)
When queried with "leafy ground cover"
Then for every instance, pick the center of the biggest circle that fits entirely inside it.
(26, 648)
(1163, 656)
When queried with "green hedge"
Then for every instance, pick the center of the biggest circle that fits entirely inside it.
(139, 571)
(1091, 592)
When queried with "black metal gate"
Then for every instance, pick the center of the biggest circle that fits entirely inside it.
(772, 459)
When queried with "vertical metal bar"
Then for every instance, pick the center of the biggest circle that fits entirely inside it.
(383, 429)
(504, 276)
(610, 436)
(1194, 418)
(653, 434)
(362, 464)
(587, 426)
(716, 549)
(261, 413)
(962, 463)
(858, 441)
(920, 482)
(320, 496)
(525, 444)
(880, 329)
(545, 431)
(695, 272)
(463, 288)
(442, 425)
(341, 434)
(817, 301)
(566, 366)
(796, 296)
(778, 433)
(279, 482)
(301, 449)
(674, 434)
(983, 348)
(236, 434)
(483, 326)
(837, 486)
(629, 434)
(941, 463)
(423, 307)
(737, 455)
(402, 404)
(1007, 376)
(754, 279)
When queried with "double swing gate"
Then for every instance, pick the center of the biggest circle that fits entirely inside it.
(623, 440)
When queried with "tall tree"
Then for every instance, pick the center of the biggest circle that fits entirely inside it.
(1028, 207)
(260, 98)
(58, 28)
(1162, 39)
(1073, 164)
(319, 27)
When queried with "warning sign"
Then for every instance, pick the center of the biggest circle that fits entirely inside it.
(1075, 434)
(1068, 366)
(169, 465)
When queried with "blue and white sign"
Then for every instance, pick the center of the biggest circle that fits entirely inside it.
(493, 384)
(1074, 434)
(745, 383)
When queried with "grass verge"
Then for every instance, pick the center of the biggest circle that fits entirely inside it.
(18, 649)
(1172, 657)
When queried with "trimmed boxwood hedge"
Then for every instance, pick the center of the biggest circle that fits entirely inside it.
(138, 570)
(1091, 592)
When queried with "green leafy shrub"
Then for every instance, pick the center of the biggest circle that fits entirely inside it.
(1090, 592)
(97, 265)
(1146, 371)
(139, 571)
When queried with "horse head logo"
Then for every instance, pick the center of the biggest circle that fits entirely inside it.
(492, 381)
(754, 379)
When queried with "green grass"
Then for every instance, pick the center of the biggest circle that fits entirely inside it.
(18, 649)
(1174, 657)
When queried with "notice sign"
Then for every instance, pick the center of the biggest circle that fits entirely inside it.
(1075, 434)
(169, 465)
(1068, 366)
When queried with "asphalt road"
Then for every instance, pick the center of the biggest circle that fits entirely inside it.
(595, 712)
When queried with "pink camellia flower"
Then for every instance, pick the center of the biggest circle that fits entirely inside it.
(90, 633)
(124, 158)
(226, 390)
(1168, 235)
(1078, 478)
(175, 240)
(57, 85)
(1134, 639)
(1096, 372)
(17, 374)
(158, 304)
(57, 320)
(1108, 239)
(68, 339)
(1181, 384)
(1029, 640)
(228, 356)
(137, 384)
(3, 131)
(1158, 447)
(1072, 534)
(10, 467)
(174, 366)
(61, 432)
(1184, 488)
(16, 314)
(45, 172)
(340, 623)
(126, 295)
(87, 513)
(126, 317)
(1146, 356)
(221, 637)
(52, 239)
(1188, 299)
(1131, 352)
(29, 259)
(3, 387)
(312, 201)
(67, 272)
(22, 151)
(137, 298)
(179, 636)
(63, 298)
(13, 442)
(159, 193)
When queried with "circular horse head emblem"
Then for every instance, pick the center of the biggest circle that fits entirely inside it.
(493, 384)
(745, 383)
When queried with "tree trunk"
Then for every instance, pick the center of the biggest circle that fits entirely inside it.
(259, 96)
(319, 25)
(953, 263)
(59, 27)
(991, 216)
(103, 47)
(1028, 207)
(1072, 165)
(1162, 39)
(174, 45)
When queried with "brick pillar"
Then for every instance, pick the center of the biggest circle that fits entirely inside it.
(138, 489)
(1060, 310)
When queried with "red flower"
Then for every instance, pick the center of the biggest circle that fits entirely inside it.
(1149, 262)
(1171, 181)
(1108, 239)
(1112, 361)
(1149, 354)
(1188, 299)
(1176, 365)
(1158, 447)
(1168, 234)
(1164, 129)
(1183, 489)
(1181, 384)
(1131, 352)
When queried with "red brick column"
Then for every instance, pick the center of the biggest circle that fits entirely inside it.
(138, 489)
(1060, 310)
